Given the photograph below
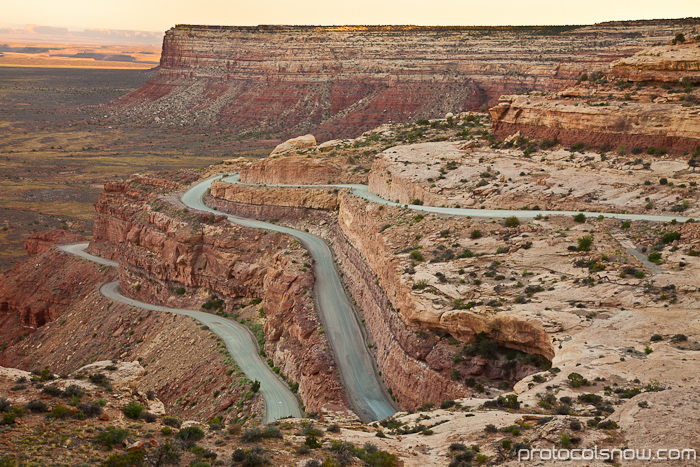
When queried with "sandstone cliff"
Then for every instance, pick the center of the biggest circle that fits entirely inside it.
(42, 241)
(660, 64)
(292, 170)
(295, 197)
(598, 113)
(415, 364)
(339, 81)
(187, 259)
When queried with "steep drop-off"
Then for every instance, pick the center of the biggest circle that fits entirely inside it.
(415, 364)
(170, 256)
(340, 81)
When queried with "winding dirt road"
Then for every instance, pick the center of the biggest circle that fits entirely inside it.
(280, 402)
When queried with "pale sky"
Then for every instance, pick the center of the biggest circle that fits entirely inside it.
(159, 15)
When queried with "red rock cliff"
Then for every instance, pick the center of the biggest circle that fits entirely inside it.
(340, 81)
(162, 247)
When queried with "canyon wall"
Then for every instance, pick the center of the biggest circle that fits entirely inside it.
(339, 81)
(179, 258)
(600, 113)
(415, 365)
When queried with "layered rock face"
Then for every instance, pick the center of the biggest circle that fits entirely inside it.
(42, 241)
(291, 170)
(415, 365)
(601, 114)
(661, 64)
(339, 81)
(161, 249)
(294, 197)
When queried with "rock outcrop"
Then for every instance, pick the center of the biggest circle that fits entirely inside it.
(42, 241)
(310, 198)
(339, 81)
(600, 114)
(570, 121)
(661, 64)
(300, 142)
(31, 295)
(291, 170)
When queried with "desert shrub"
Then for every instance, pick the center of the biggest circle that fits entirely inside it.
(334, 428)
(148, 417)
(5, 405)
(593, 399)
(575, 425)
(491, 428)
(670, 237)
(172, 421)
(37, 406)
(238, 455)
(60, 412)
(91, 409)
(447, 404)
(128, 459)
(313, 463)
(112, 436)
(52, 391)
(576, 380)
(133, 410)
(475, 234)
(511, 221)
(73, 391)
(190, 435)
(585, 242)
(607, 425)
(580, 218)
(99, 379)
(655, 257)
(416, 255)
(303, 450)
(312, 442)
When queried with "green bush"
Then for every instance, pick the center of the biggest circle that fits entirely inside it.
(172, 421)
(576, 380)
(655, 257)
(670, 237)
(511, 221)
(585, 242)
(60, 412)
(476, 233)
(416, 255)
(129, 459)
(112, 436)
(580, 218)
(133, 410)
(37, 406)
(190, 435)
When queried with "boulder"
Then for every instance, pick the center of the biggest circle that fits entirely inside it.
(300, 142)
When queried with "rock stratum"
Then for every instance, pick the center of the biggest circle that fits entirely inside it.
(170, 256)
(647, 100)
(269, 81)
